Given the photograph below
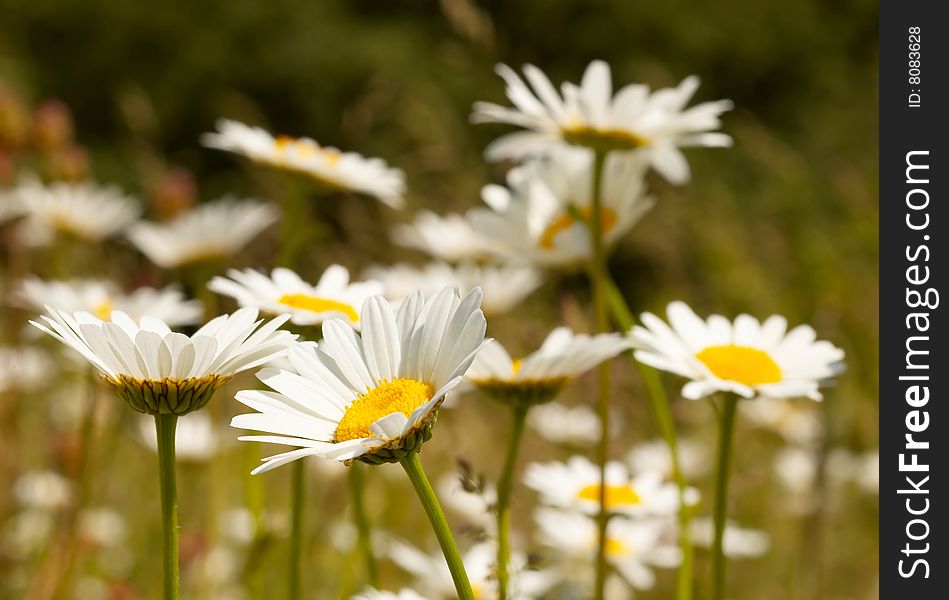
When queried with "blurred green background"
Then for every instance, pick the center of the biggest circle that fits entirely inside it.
(786, 221)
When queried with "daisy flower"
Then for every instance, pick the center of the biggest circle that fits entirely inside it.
(329, 166)
(86, 211)
(539, 376)
(285, 292)
(403, 594)
(100, 297)
(373, 396)
(504, 286)
(541, 216)
(745, 357)
(575, 425)
(655, 124)
(450, 238)
(575, 485)
(158, 371)
(740, 542)
(211, 231)
(633, 548)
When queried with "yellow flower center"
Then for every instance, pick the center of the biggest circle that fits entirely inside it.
(399, 395)
(564, 222)
(616, 495)
(103, 310)
(318, 305)
(602, 139)
(748, 366)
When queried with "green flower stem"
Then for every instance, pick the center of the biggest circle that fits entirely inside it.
(357, 484)
(165, 425)
(413, 468)
(519, 419)
(599, 278)
(297, 509)
(662, 409)
(726, 433)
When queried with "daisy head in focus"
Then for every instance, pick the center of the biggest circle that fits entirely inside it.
(211, 231)
(158, 371)
(633, 547)
(746, 357)
(539, 376)
(504, 285)
(575, 485)
(283, 291)
(635, 119)
(543, 214)
(100, 297)
(86, 211)
(329, 166)
(374, 395)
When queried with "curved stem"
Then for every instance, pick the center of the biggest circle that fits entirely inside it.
(662, 409)
(297, 506)
(357, 475)
(721, 495)
(413, 468)
(165, 429)
(519, 418)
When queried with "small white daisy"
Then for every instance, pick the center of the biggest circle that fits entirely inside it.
(344, 170)
(403, 594)
(504, 286)
(334, 296)
(84, 210)
(745, 357)
(738, 543)
(633, 547)
(541, 216)
(575, 485)
(158, 371)
(100, 297)
(373, 396)
(656, 123)
(574, 425)
(450, 238)
(539, 376)
(211, 231)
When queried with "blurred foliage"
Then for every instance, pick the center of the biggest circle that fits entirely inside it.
(784, 222)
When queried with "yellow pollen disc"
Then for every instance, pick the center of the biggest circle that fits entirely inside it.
(516, 365)
(566, 221)
(616, 495)
(398, 395)
(103, 310)
(318, 305)
(748, 366)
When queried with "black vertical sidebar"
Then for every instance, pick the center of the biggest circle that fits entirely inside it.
(914, 267)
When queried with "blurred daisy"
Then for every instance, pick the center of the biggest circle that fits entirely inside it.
(450, 238)
(541, 216)
(635, 119)
(403, 594)
(633, 547)
(432, 574)
(343, 170)
(373, 396)
(24, 368)
(575, 425)
(796, 422)
(333, 297)
(100, 297)
(211, 231)
(539, 376)
(654, 456)
(575, 485)
(745, 357)
(504, 286)
(739, 542)
(196, 438)
(158, 371)
(84, 210)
